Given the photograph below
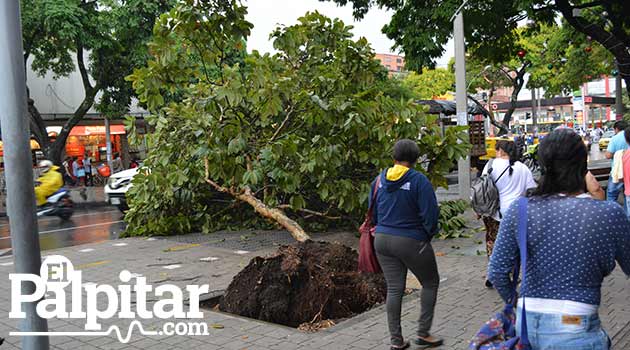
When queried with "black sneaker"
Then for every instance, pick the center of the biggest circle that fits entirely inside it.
(404, 345)
(489, 284)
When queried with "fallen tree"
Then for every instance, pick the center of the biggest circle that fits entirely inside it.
(303, 131)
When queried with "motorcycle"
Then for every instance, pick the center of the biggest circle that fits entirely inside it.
(58, 204)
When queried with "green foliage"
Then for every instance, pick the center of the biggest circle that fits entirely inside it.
(102, 39)
(490, 25)
(431, 83)
(307, 127)
(451, 222)
(114, 32)
(563, 59)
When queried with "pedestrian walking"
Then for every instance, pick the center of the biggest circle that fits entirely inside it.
(117, 163)
(406, 213)
(572, 242)
(79, 171)
(69, 177)
(87, 166)
(512, 179)
(617, 143)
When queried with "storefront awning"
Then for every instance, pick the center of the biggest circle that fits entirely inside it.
(87, 130)
(34, 146)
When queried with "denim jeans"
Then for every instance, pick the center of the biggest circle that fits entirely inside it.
(555, 332)
(614, 190)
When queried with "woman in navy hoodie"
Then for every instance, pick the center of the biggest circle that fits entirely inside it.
(406, 217)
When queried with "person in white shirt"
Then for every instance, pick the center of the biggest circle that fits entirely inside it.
(512, 179)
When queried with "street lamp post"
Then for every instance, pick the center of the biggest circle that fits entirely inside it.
(618, 95)
(461, 99)
(18, 170)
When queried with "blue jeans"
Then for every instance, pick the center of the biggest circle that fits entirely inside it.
(614, 190)
(550, 332)
(627, 206)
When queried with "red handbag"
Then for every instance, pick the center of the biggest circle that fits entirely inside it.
(367, 256)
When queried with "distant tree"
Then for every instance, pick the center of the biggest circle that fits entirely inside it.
(431, 83)
(422, 28)
(103, 39)
(555, 58)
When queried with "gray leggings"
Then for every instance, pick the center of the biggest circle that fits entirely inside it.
(396, 255)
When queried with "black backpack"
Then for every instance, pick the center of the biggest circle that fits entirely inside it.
(485, 194)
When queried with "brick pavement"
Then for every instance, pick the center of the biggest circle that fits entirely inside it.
(463, 304)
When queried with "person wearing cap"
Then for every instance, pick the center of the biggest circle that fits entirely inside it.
(49, 182)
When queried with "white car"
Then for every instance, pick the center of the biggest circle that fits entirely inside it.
(117, 187)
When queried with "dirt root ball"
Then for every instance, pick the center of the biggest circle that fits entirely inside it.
(304, 283)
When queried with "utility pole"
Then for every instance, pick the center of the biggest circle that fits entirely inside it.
(461, 99)
(18, 169)
(618, 95)
(534, 111)
(108, 144)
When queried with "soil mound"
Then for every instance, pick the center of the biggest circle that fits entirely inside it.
(303, 283)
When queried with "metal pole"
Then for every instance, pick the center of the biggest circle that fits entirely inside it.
(584, 109)
(18, 169)
(108, 143)
(534, 111)
(539, 98)
(463, 165)
(618, 95)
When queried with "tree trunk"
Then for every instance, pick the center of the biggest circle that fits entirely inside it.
(502, 128)
(54, 150)
(37, 126)
(261, 208)
(518, 86)
(275, 214)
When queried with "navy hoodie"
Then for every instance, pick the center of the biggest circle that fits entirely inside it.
(406, 207)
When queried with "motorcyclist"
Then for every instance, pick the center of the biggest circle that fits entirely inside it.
(49, 182)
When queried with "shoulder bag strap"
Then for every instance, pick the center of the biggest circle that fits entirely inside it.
(506, 169)
(522, 244)
(490, 166)
(374, 191)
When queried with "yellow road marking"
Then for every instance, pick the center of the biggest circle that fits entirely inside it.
(93, 264)
(181, 247)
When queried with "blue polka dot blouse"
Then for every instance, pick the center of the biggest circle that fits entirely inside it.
(572, 244)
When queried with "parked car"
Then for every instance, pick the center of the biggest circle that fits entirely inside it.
(117, 187)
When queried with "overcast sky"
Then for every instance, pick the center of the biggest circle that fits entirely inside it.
(267, 14)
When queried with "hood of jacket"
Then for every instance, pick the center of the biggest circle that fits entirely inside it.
(395, 177)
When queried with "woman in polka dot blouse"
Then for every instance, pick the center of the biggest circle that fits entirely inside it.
(573, 242)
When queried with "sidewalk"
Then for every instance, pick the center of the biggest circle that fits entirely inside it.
(463, 304)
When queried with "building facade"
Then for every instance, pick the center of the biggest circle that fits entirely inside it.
(395, 64)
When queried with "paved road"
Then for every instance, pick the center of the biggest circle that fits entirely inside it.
(85, 226)
(596, 154)
(463, 305)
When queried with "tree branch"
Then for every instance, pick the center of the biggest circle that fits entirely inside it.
(311, 212)
(588, 4)
(88, 101)
(284, 122)
(85, 78)
(489, 115)
(261, 208)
